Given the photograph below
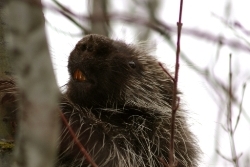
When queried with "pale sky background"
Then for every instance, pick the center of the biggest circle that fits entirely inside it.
(197, 14)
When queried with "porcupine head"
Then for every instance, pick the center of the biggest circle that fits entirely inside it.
(109, 73)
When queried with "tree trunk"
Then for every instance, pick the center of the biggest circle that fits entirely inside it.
(38, 126)
(5, 72)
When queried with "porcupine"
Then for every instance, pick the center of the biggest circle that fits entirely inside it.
(120, 107)
(118, 102)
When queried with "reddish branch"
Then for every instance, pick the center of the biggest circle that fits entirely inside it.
(172, 162)
(78, 143)
(170, 76)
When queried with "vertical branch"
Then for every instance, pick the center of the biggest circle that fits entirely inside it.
(77, 142)
(174, 102)
(229, 116)
(38, 128)
(240, 107)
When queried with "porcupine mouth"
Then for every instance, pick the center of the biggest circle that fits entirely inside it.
(83, 79)
(79, 76)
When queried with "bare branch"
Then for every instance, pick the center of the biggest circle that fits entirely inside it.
(66, 12)
(77, 142)
(172, 162)
(240, 107)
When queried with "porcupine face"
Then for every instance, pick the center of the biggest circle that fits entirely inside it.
(99, 68)
(107, 73)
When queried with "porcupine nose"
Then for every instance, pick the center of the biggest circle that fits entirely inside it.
(96, 46)
(88, 45)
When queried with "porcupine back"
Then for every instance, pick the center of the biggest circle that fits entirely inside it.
(118, 102)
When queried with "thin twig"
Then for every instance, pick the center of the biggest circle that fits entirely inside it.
(229, 118)
(223, 156)
(61, 31)
(66, 12)
(238, 117)
(166, 72)
(78, 143)
(159, 27)
(174, 108)
(232, 27)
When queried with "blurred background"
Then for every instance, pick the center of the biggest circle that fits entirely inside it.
(215, 59)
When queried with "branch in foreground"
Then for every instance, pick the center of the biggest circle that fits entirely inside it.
(38, 121)
(172, 162)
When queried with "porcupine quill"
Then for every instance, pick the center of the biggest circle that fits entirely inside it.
(118, 102)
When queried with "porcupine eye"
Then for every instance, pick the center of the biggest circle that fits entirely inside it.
(131, 64)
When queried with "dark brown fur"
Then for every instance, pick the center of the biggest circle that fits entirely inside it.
(123, 107)
(121, 112)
